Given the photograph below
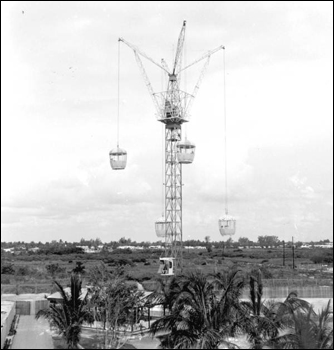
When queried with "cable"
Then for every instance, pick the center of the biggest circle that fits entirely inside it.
(118, 90)
(162, 170)
(225, 139)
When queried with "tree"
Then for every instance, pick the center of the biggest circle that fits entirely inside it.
(244, 241)
(7, 268)
(204, 312)
(268, 241)
(208, 244)
(79, 269)
(69, 315)
(309, 330)
(52, 269)
(265, 320)
(114, 301)
(229, 242)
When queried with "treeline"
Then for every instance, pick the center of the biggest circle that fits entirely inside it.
(65, 247)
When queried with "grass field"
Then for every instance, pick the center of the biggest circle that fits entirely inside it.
(31, 274)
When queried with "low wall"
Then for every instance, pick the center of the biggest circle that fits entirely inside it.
(30, 307)
(28, 304)
(7, 316)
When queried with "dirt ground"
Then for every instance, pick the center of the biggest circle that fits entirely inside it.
(32, 334)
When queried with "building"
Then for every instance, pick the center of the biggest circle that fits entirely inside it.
(7, 316)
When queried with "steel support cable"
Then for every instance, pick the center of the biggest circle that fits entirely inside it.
(225, 137)
(162, 152)
(118, 90)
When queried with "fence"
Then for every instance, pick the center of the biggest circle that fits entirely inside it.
(302, 292)
(297, 282)
(22, 288)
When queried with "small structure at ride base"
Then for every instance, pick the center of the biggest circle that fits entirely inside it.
(167, 266)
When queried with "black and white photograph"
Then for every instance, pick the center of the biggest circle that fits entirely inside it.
(166, 175)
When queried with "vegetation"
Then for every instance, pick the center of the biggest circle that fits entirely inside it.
(308, 330)
(69, 315)
(264, 320)
(114, 302)
(203, 313)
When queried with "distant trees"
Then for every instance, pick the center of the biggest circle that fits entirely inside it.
(268, 241)
(244, 241)
(208, 245)
(7, 269)
(54, 268)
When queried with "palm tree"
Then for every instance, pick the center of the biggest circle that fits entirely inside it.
(113, 302)
(69, 315)
(164, 295)
(201, 316)
(265, 320)
(309, 330)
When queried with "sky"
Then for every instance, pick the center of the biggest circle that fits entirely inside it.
(59, 88)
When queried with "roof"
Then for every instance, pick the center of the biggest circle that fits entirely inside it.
(57, 295)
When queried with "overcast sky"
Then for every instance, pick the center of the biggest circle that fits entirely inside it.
(59, 119)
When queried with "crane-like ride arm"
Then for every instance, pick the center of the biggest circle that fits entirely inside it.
(179, 50)
(139, 53)
(208, 54)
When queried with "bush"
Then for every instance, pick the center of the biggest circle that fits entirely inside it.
(266, 273)
(22, 271)
(7, 269)
(5, 280)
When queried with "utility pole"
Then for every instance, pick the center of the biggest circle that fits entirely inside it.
(293, 255)
(283, 253)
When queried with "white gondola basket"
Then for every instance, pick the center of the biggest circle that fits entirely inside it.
(118, 158)
(185, 152)
(161, 227)
(227, 225)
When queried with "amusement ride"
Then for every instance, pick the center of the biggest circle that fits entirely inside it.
(173, 109)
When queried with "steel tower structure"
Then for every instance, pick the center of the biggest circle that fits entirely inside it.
(172, 107)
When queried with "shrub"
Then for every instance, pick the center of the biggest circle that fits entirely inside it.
(5, 280)
(7, 269)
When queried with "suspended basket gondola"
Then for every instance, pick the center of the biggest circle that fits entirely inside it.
(118, 157)
(161, 227)
(185, 152)
(227, 225)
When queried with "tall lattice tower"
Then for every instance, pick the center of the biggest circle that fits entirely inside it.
(173, 106)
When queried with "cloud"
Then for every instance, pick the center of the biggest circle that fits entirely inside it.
(59, 118)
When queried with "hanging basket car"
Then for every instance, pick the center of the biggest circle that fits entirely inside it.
(227, 225)
(167, 266)
(118, 158)
(161, 227)
(185, 152)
